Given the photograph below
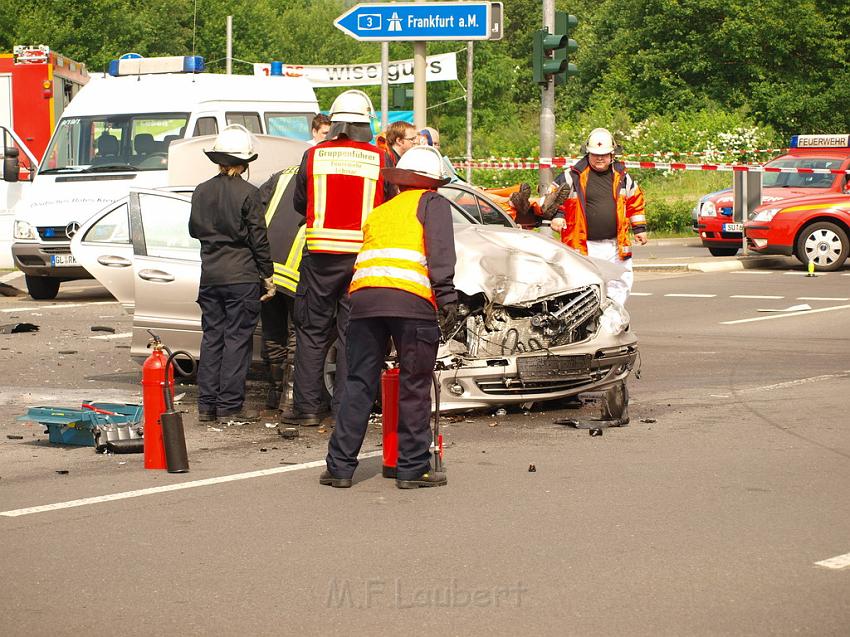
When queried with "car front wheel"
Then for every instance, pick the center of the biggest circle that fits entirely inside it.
(42, 288)
(825, 244)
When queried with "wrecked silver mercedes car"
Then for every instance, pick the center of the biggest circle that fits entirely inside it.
(534, 323)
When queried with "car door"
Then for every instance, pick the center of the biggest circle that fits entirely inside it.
(102, 246)
(166, 271)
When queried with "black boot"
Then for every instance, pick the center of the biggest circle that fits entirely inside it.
(275, 393)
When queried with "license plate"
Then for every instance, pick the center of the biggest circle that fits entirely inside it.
(62, 259)
(549, 367)
(733, 227)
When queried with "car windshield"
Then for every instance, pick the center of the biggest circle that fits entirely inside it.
(106, 143)
(801, 180)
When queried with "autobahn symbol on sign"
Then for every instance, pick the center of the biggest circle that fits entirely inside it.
(418, 21)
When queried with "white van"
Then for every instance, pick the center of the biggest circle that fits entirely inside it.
(115, 135)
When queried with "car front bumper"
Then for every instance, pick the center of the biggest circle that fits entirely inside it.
(490, 382)
(38, 259)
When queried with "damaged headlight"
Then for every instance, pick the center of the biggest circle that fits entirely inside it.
(615, 319)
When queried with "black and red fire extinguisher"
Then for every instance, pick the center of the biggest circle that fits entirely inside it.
(165, 442)
(389, 423)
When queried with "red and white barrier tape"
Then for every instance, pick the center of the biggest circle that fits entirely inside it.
(656, 155)
(562, 162)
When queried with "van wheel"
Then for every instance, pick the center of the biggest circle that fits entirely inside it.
(824, 244)
(42, 288)
(723, 252)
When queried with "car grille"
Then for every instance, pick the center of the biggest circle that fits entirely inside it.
(496, 387)
(57, 250)
(52, 233)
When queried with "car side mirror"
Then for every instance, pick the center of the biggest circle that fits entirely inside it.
(11, 165)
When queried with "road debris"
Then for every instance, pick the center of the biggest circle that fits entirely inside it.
(14, 437)
(532, 468)
(501, 412)
(62, 472)
(802, 307)
(102, 328)
(648, 420)
(18, 328)
(595, 431)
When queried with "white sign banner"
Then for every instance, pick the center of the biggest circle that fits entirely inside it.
(437, 68)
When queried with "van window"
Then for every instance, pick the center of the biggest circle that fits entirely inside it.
(292, 125)
(251, 121)
(106, 143)
(205, 126)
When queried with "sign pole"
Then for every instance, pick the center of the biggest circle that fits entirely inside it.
(385, 88)
(547, 110)
(420, 101)
(229, 52)
(468, 112)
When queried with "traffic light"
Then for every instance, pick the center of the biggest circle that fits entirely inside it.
(543, 58)
(564, 24)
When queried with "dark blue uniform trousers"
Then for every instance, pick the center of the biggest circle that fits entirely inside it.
(229, 315)
(321, 297)
(416, 342)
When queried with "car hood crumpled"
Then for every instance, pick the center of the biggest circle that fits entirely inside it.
(515, 267)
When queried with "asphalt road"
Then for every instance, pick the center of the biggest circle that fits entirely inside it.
(706, 515)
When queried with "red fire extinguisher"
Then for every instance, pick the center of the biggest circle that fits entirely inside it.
(153, 380)
(389, 421)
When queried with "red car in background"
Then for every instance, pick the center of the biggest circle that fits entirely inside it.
(722, 235)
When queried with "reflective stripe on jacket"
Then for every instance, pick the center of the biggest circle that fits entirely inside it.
(344, 184)
(393, 253)
(627, 195)
(286, 236)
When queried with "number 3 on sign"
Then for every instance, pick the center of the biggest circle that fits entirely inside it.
(369, 22)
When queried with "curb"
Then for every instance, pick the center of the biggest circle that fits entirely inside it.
(741, 263)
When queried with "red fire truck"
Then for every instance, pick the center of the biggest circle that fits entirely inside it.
(36, 85)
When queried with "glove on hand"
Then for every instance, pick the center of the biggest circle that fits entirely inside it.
(447, 317)
(271, 289)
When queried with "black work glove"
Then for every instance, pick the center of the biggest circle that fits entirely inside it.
(447, 317)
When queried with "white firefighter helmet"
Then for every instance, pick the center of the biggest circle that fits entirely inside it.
(600, 142)
(234, 145)
(352, 106)
(419, 167)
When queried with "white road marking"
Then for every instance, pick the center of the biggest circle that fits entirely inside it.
(109, 337)
(751, 272)
(172, 487)
(794, 383)
(10, 276)
(787, 315)
(823, 298)
(39, 308)
(837, 562)
(640, 293)
(754, 296)
(693, 296)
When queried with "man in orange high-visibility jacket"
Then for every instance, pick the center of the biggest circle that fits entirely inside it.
(403, 281)
(337, 185)
(604, 206)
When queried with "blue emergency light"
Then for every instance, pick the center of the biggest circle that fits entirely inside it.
(148, 66)
(820, 141)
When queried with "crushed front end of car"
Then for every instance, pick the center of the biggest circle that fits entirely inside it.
(534, 323)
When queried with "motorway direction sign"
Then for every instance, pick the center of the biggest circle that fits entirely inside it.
(418, 21)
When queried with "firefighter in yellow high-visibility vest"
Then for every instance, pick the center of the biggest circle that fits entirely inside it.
(402, 286)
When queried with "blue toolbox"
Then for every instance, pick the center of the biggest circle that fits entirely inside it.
(86, 426)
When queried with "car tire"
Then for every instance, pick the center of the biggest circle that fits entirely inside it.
(723, 252)
(42, 288)
(823, 243)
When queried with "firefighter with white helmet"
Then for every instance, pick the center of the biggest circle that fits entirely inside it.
(402, 288)
(337, 185)
(236, 266)
(605, 205)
